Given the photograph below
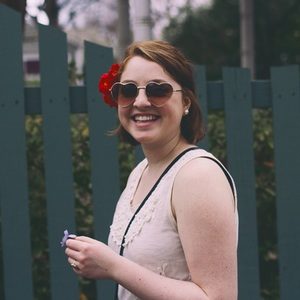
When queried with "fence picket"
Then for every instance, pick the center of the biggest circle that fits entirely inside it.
(15, 223)
(286, 123)
(57, 157)
(240, 158)
(103, 150)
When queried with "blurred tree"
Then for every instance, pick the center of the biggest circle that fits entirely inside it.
(210, 35)
(124, 34)
(142, 24)
(247, 36)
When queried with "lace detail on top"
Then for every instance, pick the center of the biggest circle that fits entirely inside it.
(124, 211)
(124, 215)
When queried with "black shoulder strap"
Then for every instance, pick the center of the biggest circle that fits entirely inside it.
(225, 172)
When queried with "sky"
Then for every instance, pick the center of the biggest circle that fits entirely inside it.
(157, 5)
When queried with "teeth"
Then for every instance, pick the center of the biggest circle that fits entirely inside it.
(145, 118)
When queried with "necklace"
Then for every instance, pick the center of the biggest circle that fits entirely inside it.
(164, 160)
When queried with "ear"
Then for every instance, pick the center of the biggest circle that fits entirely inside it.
(186, 103)
(186, 106)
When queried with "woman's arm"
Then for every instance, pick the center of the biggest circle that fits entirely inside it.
(204, 208)
(96, 260)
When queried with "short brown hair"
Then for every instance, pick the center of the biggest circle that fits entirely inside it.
(179, 68)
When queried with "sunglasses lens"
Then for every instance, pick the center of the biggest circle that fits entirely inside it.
(128, 90)
(158, 93)
(115, 91)
(124, 94)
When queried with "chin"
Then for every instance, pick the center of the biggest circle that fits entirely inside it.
(144, 136)
(142, 139)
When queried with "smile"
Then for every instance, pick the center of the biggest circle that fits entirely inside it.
(144, 118)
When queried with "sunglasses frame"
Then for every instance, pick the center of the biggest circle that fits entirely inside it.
(143, 87)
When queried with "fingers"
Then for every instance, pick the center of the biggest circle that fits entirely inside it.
(86, 239)
(78, 242)
(74, 260)
(75, 244)
(72, 253)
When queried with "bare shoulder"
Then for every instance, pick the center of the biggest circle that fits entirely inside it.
(202, 182)
(200, 172)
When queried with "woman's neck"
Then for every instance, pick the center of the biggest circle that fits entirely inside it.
(160, 156)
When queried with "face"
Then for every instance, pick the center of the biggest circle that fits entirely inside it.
(147, 123)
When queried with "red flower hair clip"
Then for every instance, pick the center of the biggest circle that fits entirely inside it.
(105, 83)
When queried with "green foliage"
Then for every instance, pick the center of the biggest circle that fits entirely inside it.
(38, 215)
(216, 134)
(82, 188)
(126, 162)
(266, 208)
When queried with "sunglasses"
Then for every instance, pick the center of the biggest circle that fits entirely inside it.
(158, 94)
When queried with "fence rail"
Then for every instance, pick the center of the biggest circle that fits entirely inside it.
(236, 94)
(260, 90)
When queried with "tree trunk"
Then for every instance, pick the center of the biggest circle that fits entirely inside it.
(51, 8)
(247, 36)
(142, 23)
(124, 36)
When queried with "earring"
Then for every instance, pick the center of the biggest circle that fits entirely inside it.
(186, 111)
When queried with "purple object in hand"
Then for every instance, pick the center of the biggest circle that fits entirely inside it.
(66, 236)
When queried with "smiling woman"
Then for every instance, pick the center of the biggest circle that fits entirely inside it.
(175, 224)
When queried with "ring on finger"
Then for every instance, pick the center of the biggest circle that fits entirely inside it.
(73, 265)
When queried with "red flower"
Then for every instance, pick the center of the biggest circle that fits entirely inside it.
(105, 83)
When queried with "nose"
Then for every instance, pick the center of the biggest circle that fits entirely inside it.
(141, 98)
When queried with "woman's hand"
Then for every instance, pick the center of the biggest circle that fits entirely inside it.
(91, 258)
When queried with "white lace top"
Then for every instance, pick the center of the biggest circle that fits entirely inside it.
(152, 239)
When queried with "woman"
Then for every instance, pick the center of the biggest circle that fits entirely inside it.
(174, 232)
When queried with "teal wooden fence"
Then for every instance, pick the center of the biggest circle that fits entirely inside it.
(236, 94)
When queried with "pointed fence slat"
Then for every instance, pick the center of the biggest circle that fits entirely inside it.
(240, 158)
(286, 123)
(14, 209)
(103, 150)
(58, 157)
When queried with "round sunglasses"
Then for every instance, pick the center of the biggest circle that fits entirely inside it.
(158, 94)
